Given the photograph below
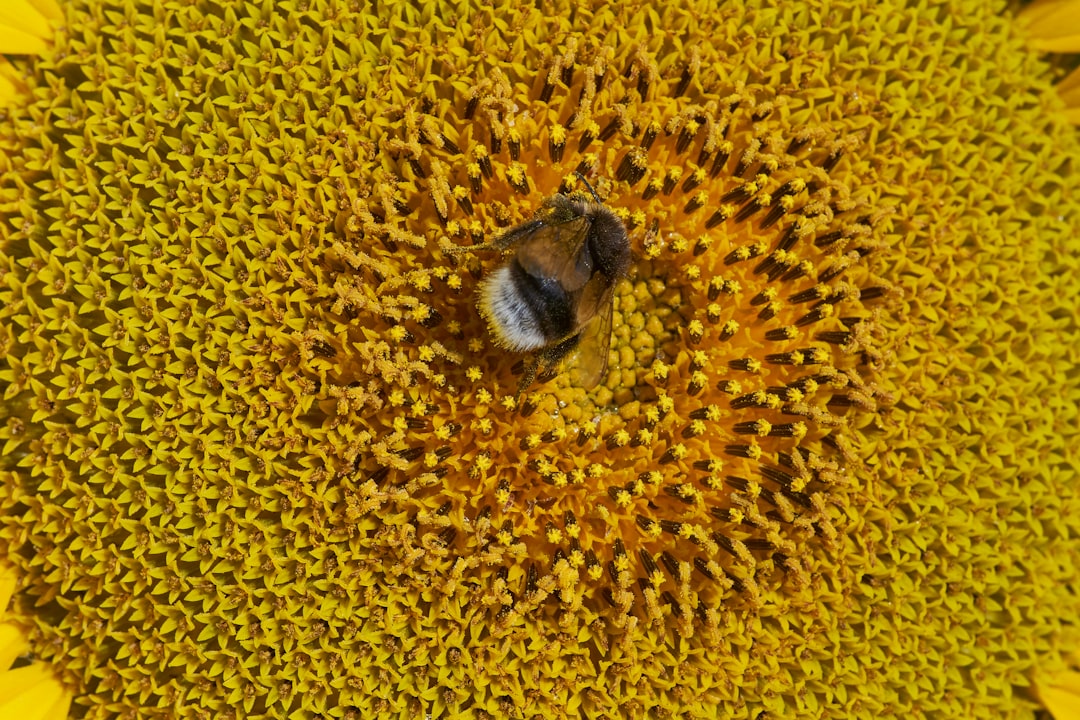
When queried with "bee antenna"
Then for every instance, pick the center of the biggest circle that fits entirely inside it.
(588, 185)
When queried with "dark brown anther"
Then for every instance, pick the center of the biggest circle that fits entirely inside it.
(647, 139)
(555, 150)
(716, 286)
(737, 255)
(676, 492)
(692, 181)
(724, 542)
(810, 318)
(522, 185)
(449, 145)
(776, 211)
(532, 580)
(643, 85)
(777, 476)
(417, 423)
(718, 163)
(828, 238)
(748, 400)
(417, 168)
(470, 106)
(609, 130)
(410, 454)
(652, 189)
(814, 293)
(742, 451)
(684, 82)
(737, 195)
(832, 160)
(670, 181)
(871, 293)
(742, 166)
(672, 527)
(716, 218)
(797, 144)
(778, 334)
(797, 271)
(721, 514)
(547, 90)
(789, 238)
(647, 562)
(685, 138)
(586, 138)
(834, 337)
(670, 563)
(799, 498)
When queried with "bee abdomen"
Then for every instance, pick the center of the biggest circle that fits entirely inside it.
(523, 312)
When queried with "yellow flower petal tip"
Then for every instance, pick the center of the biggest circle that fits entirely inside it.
(1061, 695)
(32, 692)
(1052, 25)
(26, 26)
(13, 643)
(8, 583)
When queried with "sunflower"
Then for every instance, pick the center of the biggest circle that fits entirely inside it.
(262, 457)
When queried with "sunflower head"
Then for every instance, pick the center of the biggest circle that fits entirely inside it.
(263, 455)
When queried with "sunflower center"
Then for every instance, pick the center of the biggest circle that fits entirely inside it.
(742, 342)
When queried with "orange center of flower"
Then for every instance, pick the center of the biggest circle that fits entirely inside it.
(742, 348)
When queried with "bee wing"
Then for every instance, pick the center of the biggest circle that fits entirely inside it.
(554, 250)
(592, 356)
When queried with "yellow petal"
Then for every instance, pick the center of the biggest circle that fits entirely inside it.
(22, 15)
(1062, 698)
(50, 9)
(19, 42)
(32, 693)
(7, 576)
(1053, 25)
(12, 644)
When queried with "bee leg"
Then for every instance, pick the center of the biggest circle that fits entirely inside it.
(502, 243)
(529, 374)
(545, 363)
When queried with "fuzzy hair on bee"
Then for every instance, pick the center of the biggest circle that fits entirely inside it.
(554, 291)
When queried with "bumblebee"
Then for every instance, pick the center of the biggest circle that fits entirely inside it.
(554, 292)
